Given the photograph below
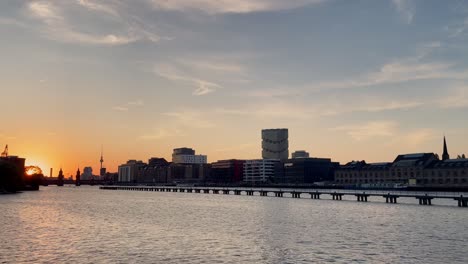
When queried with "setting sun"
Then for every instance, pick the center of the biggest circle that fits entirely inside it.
(32, 170)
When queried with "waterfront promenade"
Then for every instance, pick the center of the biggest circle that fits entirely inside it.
(424, 198)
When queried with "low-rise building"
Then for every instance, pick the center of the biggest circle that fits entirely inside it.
(308, 170)
(260, 170)
(187, 156)
(129, 171)
(227, 171)
(300, 154)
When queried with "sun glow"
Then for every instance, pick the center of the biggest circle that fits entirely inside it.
(32, 170)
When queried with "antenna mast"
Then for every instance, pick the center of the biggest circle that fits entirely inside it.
(5, 152)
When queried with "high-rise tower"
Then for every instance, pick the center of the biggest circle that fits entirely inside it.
(445, 155)
(275, 144)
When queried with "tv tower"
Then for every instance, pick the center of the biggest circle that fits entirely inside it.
(102, 171)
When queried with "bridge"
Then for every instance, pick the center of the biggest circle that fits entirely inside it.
(391, 197)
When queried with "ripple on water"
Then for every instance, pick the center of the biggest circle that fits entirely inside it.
(86, 225)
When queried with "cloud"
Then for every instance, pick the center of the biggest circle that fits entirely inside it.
(173, 73)
(126, 107)
(162, 134)
(138, 103)
(397, 72)
(189, 118)
(93, 5)
(231, 6)
(369, 130)
(120, 108)
(405, 9)
(56, 23)
(414, 139)
(459, 29)
(459, 99)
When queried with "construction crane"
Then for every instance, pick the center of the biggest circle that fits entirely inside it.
(5, 152)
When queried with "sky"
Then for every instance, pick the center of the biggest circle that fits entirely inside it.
(351, 80)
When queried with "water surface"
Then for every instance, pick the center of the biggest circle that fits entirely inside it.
(87, 225)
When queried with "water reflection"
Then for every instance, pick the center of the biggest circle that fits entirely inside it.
(86, 225)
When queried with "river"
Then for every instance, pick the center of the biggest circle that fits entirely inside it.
(86, 225)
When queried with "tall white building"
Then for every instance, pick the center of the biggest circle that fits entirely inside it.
(259, 170)
(275, 144)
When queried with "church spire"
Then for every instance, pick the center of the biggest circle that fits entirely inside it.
(445, 155)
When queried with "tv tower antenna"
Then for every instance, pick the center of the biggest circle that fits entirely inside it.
(102, 158)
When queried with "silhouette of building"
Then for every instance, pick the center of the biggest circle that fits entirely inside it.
(17, 164)
(129, 171)
(187, 156)
(154, 172)
(445, 155)
(78, 177)
(300, 154)
(308, 170)
(87, 173)
(60, 178)
(227, 171)
(275, 144)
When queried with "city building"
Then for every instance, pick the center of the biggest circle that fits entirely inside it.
(187, 156)
(275, 144)
(260, 170)
(300, 154)
(308, 170)
(87, 173)
(422, 169)
(227, 171)
(188, 173)
(154, 172)
(17, 164)
(129, 171)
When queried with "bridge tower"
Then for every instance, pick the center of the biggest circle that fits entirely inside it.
(60, 178)
(78, 178)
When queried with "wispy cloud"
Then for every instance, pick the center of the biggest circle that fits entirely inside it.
(126, 107)
(231, 6)
(459, 99)
(190, 118)
(405, 9)
(162, 134)
(170, 72)
(56, 23)
(369, 130)
(120, 108)
(99, 7)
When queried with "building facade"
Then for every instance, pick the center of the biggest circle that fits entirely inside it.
(308, 171)
(300, 154)
(421, 169)
(129, 171)
(227, 171)
(275, 144)
(260, 170)
(187, 156)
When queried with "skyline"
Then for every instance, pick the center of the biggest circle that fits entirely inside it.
(350, 80)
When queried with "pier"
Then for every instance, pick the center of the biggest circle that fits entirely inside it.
(390, 197)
